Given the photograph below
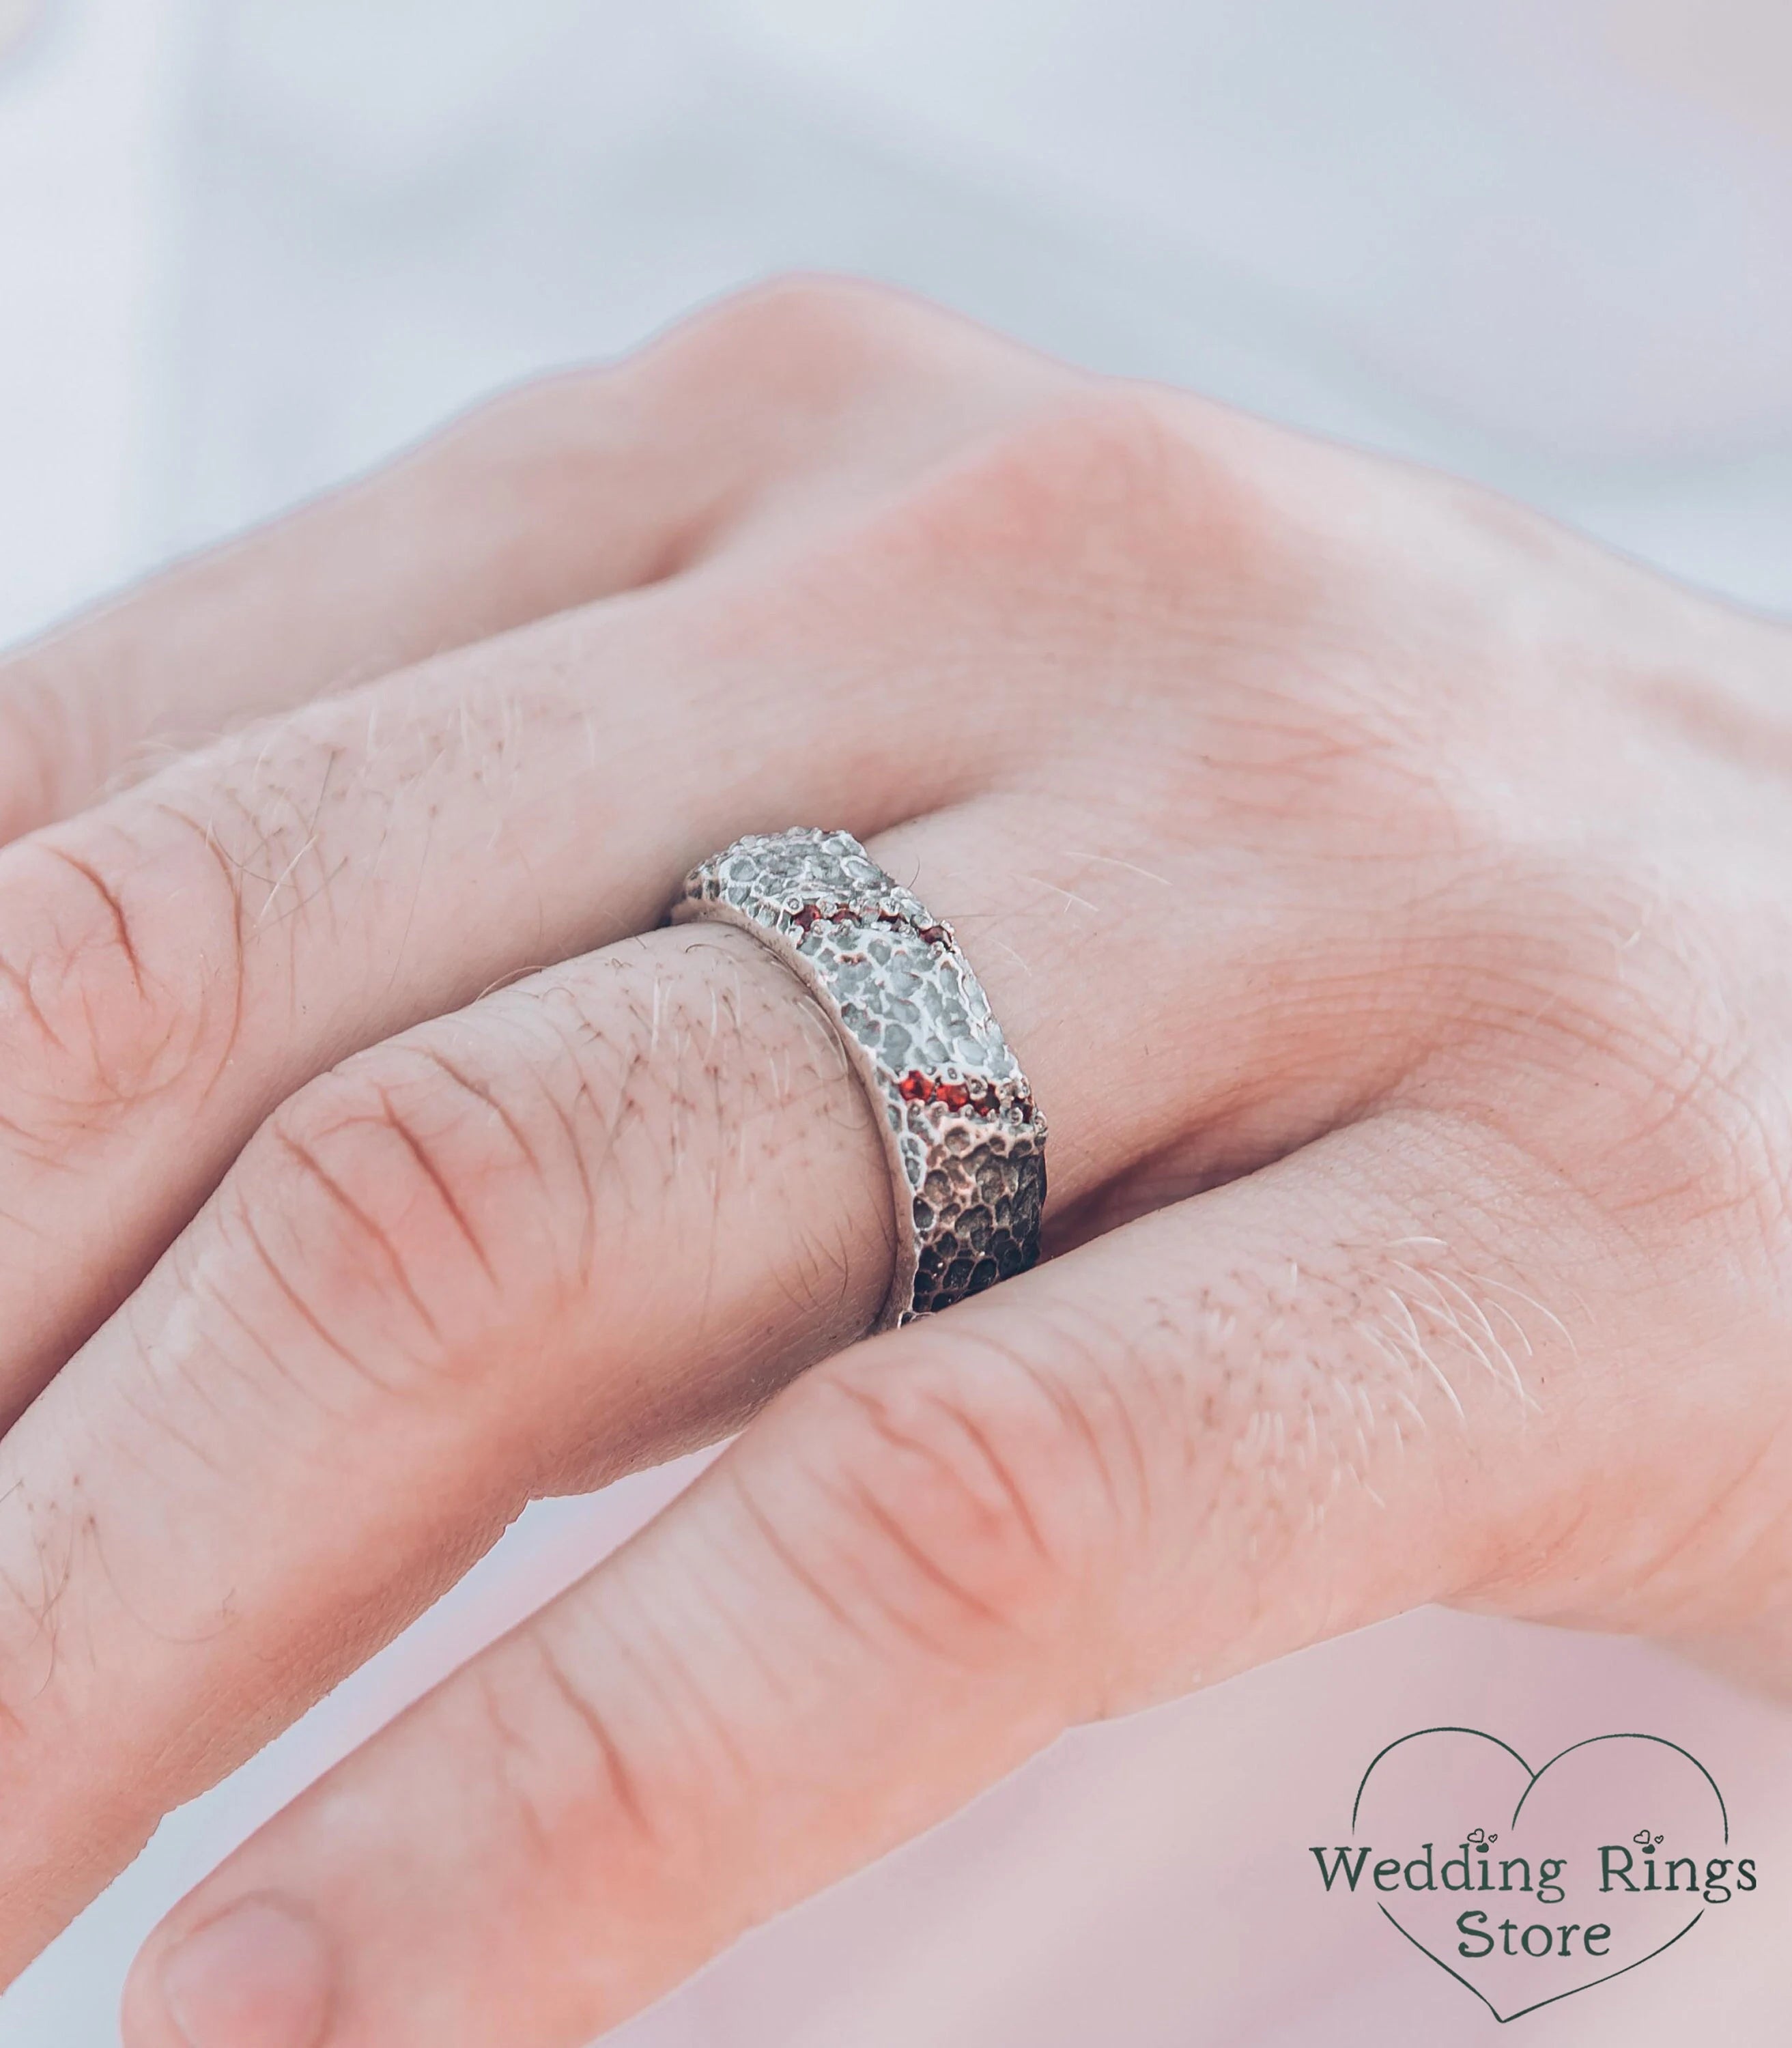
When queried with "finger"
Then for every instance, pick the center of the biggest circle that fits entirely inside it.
(568, 490)
(176, 960)
(1192, 1446)
(530, 505)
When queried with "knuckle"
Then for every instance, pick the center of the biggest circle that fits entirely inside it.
(805, 312)
(1118, 438)
(979, 1493)
(812, 339)
(1121, 456)
(1103, 494)
(266, 807)
(818, 342)
(396, 1200)
(121, 971)
(561, 1770)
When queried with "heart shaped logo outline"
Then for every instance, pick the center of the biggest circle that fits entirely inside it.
(1532, 1778)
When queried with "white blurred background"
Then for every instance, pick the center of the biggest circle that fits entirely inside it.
(247, 246)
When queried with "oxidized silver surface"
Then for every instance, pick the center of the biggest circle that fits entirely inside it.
(967, 1145)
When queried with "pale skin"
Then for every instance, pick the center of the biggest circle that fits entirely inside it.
(1386, 893)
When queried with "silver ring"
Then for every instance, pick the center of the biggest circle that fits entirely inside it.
(967, 1145)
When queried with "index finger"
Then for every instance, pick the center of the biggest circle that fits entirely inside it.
(531, 504)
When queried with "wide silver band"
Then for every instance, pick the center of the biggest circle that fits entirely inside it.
(967, 1145)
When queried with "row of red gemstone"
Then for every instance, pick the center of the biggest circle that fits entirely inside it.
(978, 1097)
(812, 914)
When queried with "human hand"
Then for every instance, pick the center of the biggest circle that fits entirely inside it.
(1386, 893)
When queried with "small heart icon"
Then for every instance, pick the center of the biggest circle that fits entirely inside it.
(1564, 1891)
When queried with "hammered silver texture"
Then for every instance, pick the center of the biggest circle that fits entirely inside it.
(966, 1143)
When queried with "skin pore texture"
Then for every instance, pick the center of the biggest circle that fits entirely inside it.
(1386, 892)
